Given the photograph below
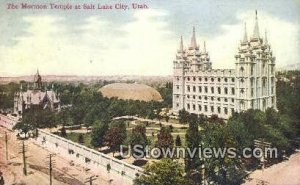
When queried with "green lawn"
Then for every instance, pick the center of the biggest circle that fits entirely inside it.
(86, 137)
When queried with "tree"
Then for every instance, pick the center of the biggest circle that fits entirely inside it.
(138, 136)
(63, 132)
(183, 116)
(28, 123)
(178, 141)
(215, 119)
(171, 128)
(89, 119)
(98, 132)
(192, 137)
(163, 172)
(64, 117)
(46, 118)
(25, 127)
(164, 139)
(167, 118)
(221, 169)
(77, 113)
(114, 137)
(80, 139)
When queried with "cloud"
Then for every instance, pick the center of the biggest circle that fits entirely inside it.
(99, 47)
(142, 46)
(282, 36)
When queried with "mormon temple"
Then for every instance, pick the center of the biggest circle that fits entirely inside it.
(200, 89)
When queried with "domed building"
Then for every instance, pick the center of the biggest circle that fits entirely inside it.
(132, 91)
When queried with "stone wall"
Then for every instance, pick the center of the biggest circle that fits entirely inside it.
(121, 172)
(7, 121)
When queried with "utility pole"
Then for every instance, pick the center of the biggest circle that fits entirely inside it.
(90, 179)
(23, 151)
(51, 164)
(6, 145)
(202, 168)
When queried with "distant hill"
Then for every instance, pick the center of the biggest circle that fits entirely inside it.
(295, 66)
(150, 80)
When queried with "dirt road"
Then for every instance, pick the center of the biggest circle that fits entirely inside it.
(37, 165)
(287, 173)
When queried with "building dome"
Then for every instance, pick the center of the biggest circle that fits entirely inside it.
(134, 91)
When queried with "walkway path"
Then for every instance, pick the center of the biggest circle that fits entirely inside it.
(287, 172)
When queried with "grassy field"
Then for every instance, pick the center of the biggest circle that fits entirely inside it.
(86, 138)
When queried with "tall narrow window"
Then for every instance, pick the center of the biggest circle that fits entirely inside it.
(226, 90)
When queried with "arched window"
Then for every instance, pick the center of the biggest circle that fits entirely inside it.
(219, 90)
(225, 110)
(226, 90)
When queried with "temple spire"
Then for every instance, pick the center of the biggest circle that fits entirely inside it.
(181, 44)
(245, 39)
(256, 29)
(193, 40)
(204, 47)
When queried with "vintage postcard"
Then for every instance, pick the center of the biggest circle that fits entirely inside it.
(149, 92)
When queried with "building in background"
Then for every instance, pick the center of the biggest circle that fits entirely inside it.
(199, 89)
(35, 97)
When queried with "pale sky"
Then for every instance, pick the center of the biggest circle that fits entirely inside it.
(139, 42)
